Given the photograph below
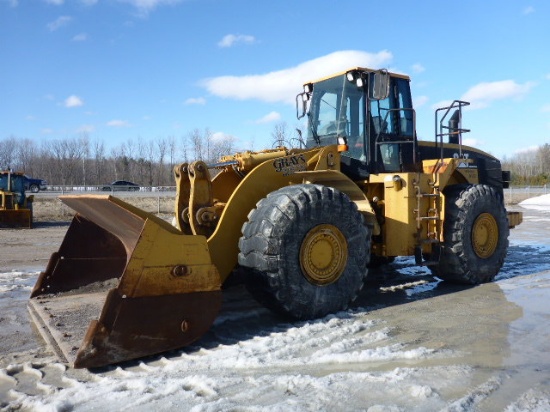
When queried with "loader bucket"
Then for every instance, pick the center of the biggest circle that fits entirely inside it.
(16, 218)
(124, 284)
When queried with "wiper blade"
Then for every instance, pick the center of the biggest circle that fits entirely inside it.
(313, 131)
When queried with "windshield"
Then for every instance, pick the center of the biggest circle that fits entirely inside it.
(336, 110)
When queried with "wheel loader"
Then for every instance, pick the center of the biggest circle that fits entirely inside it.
(15, 206)
(302, 225)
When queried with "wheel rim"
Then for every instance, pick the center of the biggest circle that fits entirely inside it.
(323, 254)
(485, 235)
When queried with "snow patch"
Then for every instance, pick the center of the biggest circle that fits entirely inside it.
(541, 203)
(534, 400)
(17, 281)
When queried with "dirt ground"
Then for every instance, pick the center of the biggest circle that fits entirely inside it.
(457, 348)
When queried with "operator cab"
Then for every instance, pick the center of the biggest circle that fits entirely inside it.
(370, 111)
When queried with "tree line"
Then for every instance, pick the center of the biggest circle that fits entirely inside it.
(81, 161)
(530, 168)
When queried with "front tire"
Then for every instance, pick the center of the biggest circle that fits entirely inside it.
(305, 251)
(475, 235)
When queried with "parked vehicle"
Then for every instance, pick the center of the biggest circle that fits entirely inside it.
(15, 206)
(34, 185)
(121, 185)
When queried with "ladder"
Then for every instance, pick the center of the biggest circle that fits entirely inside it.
(428, 222)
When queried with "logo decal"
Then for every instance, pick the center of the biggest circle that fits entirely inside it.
(290, 164)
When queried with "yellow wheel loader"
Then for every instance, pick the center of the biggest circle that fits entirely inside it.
(15, 206)
(302, 225)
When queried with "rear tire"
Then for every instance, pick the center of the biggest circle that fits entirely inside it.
(305, 251)
(34, 188)
(475, 235)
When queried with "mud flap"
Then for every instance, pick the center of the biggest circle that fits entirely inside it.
(124, 284)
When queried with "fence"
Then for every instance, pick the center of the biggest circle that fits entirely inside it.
(60, 189)
(160, 200)
(516, 194)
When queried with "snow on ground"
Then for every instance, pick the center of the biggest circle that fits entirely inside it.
(538, 202)
(410, 343)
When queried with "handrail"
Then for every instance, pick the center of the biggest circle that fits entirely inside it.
(452, 131)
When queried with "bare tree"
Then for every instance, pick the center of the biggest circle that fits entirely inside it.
(222, 146)
(99, 161)
(161, 151)
(27, 155)
(197, 143)
(7, 152)
(279, 134)
(150, 159)
(172, 153)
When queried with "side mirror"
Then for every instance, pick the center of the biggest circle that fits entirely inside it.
(379, 85)
(301, 104)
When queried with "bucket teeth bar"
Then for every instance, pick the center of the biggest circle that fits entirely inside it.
(124, 284)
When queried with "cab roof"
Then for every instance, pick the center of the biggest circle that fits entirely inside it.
(401, 76)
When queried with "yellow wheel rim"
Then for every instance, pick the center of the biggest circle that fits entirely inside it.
(323, 254)
(485, 235)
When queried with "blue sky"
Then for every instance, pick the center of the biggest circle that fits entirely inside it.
(119, 70)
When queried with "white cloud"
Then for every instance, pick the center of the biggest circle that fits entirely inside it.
(195, 100)
(13, 3)
(86, 128)
(418, 68)
(420, 101)
(545, 108)
(59, 22)
(80, 37)
(269, 118)
(481, 95)
(89, 2)
(73, 101)
(443, 103)
(529, 149)
(146, 6)
(221, 136)
(283, 85)
(231, 39)
(471, 142)
(118, 123)
(54, 2)
(528, 10)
